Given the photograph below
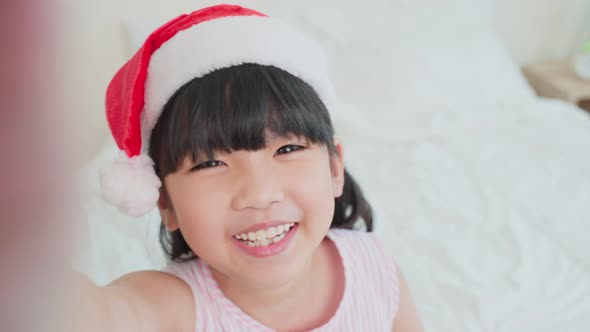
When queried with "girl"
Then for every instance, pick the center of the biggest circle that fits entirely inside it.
(222, 118)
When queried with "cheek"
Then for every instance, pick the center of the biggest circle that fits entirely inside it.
(313, 190)
(200, 212)
(192, 199)
(204, 232)
(314, 175)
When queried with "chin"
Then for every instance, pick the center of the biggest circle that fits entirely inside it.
(280, 270)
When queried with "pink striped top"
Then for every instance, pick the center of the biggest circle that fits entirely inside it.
(369, 303)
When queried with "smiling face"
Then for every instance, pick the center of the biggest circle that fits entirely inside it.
(216, 201)
(250, 171)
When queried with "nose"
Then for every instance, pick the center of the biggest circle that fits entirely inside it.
(257, 189)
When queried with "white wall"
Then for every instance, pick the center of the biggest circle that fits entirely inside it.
(539, 30)
(95, 47)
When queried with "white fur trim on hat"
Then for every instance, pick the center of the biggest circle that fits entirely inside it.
(225, 42)
(131, 184)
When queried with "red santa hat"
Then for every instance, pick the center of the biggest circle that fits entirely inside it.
(185, 48)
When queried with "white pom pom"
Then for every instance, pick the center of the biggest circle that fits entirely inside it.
(131, 184)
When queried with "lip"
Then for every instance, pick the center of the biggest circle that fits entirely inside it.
(270, 250)
(263, 225)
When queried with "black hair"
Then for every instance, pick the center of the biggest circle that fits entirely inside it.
(232, 109)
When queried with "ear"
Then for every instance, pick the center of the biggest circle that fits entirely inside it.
(166, 211)
(337, 167)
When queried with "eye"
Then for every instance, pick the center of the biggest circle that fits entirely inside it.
(290, 148)
(207, 164)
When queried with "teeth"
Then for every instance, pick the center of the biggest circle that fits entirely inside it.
(271, 232)
(261, 234)
(265, 237)
(278, 238)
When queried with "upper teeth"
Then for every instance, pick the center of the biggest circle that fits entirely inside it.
(262, 234)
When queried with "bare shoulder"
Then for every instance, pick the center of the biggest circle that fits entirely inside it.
(154, 299)
(406, 318)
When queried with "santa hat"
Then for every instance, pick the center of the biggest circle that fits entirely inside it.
(185, 48)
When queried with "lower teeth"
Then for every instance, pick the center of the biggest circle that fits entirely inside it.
(266, 242)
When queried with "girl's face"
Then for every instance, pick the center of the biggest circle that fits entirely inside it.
(256, 217)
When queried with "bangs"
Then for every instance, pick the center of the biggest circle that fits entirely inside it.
(234, 109)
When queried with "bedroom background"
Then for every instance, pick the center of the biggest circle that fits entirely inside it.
(480, 188)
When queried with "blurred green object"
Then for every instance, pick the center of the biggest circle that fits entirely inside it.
(586, 47)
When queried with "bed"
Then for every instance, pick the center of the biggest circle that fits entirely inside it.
(481, 190)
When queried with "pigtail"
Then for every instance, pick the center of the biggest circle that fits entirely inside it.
(174, 245)
(352, 210)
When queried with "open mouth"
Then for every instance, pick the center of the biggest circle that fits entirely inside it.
(265, 237)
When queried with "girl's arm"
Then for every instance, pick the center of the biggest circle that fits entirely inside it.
(406, 319)
(138, 302)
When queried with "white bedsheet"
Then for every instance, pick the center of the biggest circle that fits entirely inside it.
(490, 223)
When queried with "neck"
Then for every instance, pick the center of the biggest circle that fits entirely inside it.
(268, 300)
